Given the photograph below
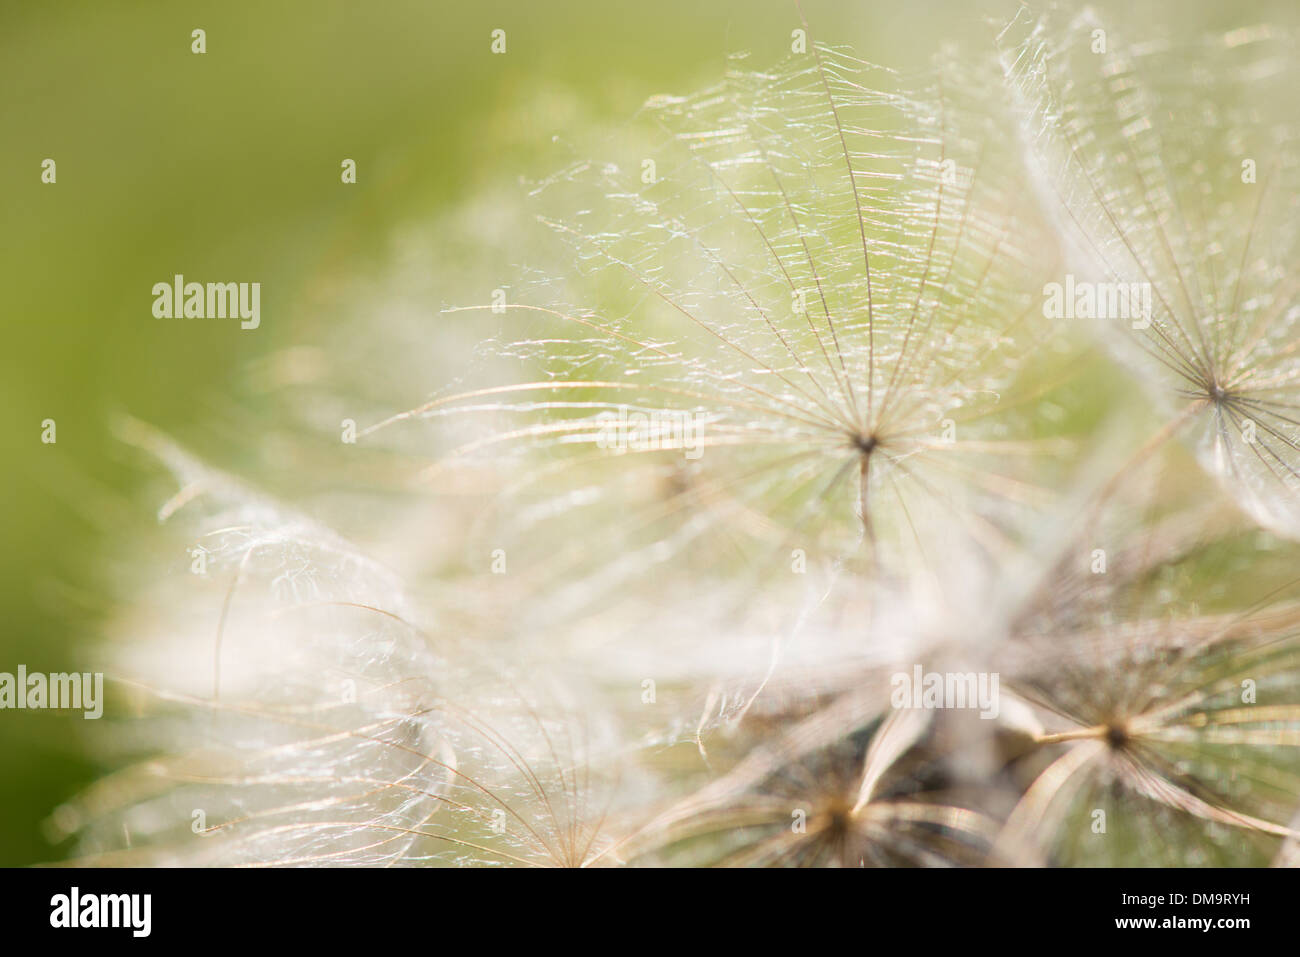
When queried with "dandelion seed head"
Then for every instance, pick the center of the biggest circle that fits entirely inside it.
(1171, 165)
(573, 632)
(829, 264)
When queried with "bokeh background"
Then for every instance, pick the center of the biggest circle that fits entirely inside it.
(225, 166)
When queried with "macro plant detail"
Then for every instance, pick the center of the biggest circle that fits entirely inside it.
(1167, 167)
(771, 511)
(830, 378)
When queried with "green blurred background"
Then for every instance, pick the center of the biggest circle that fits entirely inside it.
(225, 166)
